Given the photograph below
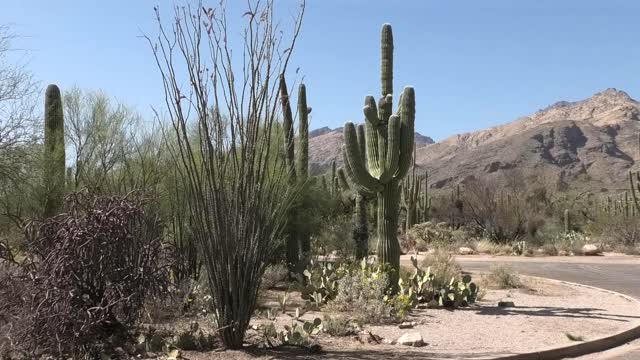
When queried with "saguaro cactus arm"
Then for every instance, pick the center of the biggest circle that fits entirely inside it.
(303, 131)
(287, 124)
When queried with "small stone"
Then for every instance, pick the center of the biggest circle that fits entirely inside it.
(590, 249)
(465, 251)
(389, 341)
(411, 339)
(407, 325)
(506, 304)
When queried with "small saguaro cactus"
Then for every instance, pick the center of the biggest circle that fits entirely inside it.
(360, 222)
(415, 201)
(567, 221)
(54, 153)
(379, 155)
(635, 189)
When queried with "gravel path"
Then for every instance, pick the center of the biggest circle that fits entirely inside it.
(617, 273)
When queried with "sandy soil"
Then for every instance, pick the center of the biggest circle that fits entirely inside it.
(544, 315)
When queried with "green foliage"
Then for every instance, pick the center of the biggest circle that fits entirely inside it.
(54, 153)
(423, 287)
(338, 326)
(429, 234)
(294, 334)
(321, 282)
(362, 292)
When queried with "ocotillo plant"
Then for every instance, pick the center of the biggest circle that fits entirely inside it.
(379, 163)
(54, 154)
(360, 223)
(298, 240)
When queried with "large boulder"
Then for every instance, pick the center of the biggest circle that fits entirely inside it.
(591, 249)
(465, 251)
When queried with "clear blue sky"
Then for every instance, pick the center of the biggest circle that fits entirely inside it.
(473, 63)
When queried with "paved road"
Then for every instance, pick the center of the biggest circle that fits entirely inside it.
(621, 275)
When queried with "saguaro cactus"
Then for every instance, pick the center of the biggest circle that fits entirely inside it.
(360, 223)
(635, 189)
(54, 154)
(298, 240)
(378, 156)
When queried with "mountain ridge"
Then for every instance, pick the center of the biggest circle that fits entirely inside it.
(592, 143)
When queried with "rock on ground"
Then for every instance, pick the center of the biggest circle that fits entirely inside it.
(411, 339)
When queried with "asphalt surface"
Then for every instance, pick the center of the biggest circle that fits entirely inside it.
(615, 275)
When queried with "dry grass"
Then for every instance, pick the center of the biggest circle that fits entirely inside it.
(503, 277)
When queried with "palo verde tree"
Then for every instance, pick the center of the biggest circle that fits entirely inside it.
(54, 154)
(237, 192)
(379, 155)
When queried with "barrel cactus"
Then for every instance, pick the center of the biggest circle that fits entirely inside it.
(379, 155)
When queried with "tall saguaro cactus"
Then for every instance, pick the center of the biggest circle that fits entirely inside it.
(54, 154)
(298, 241)
(378, 156)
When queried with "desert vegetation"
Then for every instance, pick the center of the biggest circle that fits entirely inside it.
(121, 239)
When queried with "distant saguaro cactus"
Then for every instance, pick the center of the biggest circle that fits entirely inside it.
(54, 154)
(635, 189)
(380, 156)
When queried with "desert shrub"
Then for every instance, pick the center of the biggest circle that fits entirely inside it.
(87, 274)
(443, 266)
(361, 292)
(429, 234)
(486, 246)
(504, 277)
(622, 232)
(338, 326)
(335, 236)
(570, 242)
(274, 274)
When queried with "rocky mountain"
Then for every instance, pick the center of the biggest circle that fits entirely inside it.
(588, 144)
(325, 144)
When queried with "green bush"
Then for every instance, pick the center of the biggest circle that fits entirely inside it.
(362, 293)
(338, 326)
(429, 234)
(443, 266)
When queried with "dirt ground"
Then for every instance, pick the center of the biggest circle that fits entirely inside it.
(546, 315)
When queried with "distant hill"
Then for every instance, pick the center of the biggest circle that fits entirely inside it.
(588, 144)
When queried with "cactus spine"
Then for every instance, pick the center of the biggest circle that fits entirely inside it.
(54, 152)
(378, 160)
